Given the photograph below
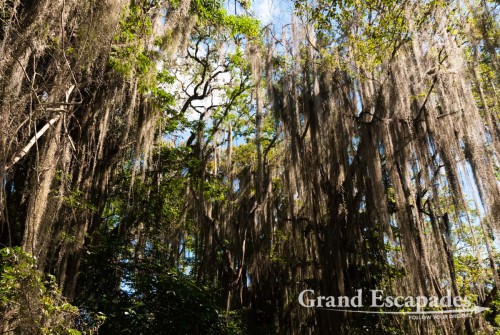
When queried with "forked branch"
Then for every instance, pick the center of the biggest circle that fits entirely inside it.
(40, 133)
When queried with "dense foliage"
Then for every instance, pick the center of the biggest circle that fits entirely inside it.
(176, 167)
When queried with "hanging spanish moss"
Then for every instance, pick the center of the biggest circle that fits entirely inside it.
(168, 161)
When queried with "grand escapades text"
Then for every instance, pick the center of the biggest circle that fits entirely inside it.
(378, 300)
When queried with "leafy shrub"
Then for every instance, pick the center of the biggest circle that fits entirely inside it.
(31, 303)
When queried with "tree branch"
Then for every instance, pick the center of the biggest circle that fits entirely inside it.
(39, 134)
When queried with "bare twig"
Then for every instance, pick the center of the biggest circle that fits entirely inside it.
(39, 134)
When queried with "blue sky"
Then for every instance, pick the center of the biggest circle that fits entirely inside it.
(278, 12)
(266, 10)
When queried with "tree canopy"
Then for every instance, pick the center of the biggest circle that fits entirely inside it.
(178, 167)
